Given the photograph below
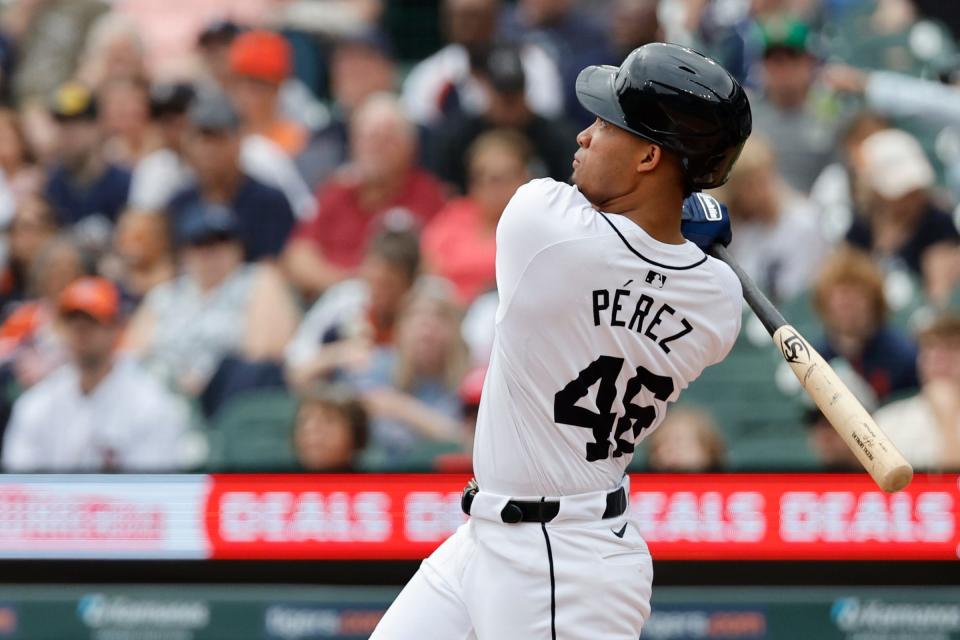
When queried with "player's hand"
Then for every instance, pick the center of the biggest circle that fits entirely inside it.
(705, 221)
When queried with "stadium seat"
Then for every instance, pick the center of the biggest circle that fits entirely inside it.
(254, 432)
(762, 425)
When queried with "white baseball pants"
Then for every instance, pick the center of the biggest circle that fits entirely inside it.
(573, 578)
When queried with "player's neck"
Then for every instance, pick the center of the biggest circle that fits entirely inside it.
(657, 213)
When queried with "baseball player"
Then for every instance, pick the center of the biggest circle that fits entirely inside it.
(607, 311)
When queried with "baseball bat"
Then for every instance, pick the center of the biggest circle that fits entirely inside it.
(869, 443)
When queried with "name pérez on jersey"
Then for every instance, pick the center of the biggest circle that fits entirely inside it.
(615, 309)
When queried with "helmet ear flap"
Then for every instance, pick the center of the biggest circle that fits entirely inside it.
(712, 171)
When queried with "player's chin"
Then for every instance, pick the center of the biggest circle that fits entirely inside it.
(576, 178)
(581, 182)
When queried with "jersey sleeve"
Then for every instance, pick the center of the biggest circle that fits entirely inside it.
(541, 214)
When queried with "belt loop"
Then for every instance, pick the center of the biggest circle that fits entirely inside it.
(511, 514)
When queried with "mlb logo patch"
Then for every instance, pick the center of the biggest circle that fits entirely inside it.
(656, 279)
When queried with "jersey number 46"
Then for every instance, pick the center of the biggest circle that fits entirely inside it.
(606, 370)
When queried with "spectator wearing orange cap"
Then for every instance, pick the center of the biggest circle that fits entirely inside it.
(260, 62)
(30, 346)
(259, 65)
(213, 45)
(98, 412)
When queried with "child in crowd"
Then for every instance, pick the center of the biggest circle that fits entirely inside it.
(330, 431)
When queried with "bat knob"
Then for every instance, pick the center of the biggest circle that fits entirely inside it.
(897, 478)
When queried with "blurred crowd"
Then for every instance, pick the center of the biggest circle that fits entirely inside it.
(260, 235)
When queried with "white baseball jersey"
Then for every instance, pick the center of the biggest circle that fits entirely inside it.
(599, 327)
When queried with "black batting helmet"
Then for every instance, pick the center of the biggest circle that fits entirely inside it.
(678, 99)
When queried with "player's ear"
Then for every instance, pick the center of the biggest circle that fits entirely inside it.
(650, 156)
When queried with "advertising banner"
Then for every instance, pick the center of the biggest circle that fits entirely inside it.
(116, 517)
(682, 517)
(406, 516)
(802, 613)
(797, 517)
(278, 612)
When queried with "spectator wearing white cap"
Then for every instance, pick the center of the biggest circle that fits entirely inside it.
(934, 102)
(902, 221)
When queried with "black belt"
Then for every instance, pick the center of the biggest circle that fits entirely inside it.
(543, 510)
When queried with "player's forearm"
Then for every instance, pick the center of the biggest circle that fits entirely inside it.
(427, 422)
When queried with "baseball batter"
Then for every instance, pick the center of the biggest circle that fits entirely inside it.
(608, 310)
